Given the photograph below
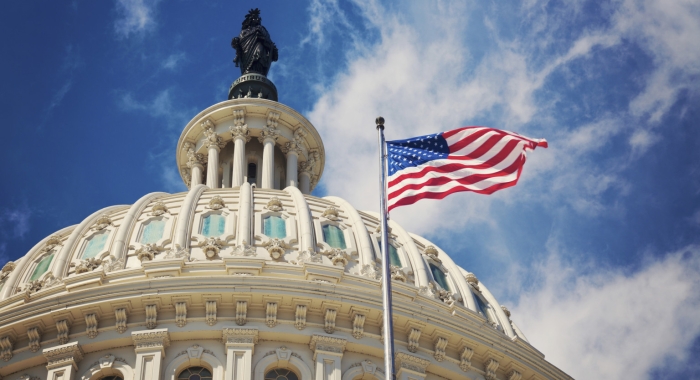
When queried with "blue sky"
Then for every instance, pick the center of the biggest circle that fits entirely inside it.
(596, 251)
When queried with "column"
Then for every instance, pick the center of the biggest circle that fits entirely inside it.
(292, 149)
(268, 137)
(195, 161)
(63, 361)
(328, 352)
(305, 182)
(240, 344)
(150, 350)
(306, 169)
(239, 133)
(409, 367)
(214, 143)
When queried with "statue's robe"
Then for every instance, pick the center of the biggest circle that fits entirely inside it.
(255, 51)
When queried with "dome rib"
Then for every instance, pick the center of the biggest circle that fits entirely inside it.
(358, 226)
(420, 270)
(184, 219)
(245, 214)
(120, 246)
(306, 237)
(60, 268)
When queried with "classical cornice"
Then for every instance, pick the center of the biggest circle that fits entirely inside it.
(67, 354)
(327, 344)
(159, 338)
(234, 335)
(411, 363)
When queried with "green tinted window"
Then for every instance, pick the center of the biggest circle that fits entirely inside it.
(152, 231)
(439, 276)
(95, 245)
(334, 236)
(42, 267)
(213, 225)
(274, 227)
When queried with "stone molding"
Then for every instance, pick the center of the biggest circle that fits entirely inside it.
(411, 363)
(327, 344)
(239, 336)
(67, 354)
(149, 340)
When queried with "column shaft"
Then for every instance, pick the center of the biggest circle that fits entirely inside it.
(213, 167)
(238, 171)
(305, 182)
(196, 175)
(268, 163)
(292, 159)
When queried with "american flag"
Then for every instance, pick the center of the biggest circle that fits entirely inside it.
(478, 159)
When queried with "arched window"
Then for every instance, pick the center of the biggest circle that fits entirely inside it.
(41, 268)
(213, 225)
(152, 231)
(112, 378)
(195, 373)
(439, 276)
(252, 173)
(95, 245)
(334, 236)
(483, 308)
(274, 227)
(281, 374)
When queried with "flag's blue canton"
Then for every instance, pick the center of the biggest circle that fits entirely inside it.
(404, 154)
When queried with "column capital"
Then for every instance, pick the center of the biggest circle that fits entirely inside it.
(151, 340)
(327, 344)
(411, 363)
(63, 355)
(239, 336)
(295, 145)
(308, 165)
(268, 133)
(240, 132)
(195, 159)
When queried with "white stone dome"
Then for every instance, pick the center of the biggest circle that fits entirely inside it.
(287, 269)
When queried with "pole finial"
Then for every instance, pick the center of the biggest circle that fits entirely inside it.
(380, 122)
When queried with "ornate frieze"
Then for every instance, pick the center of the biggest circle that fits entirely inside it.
(67, 354)
(276, 248)
(231, 335)
(327, 344)
(300, 317)
(411, 363)
(151, 339)
(440, 345)
(465, 358)
(91, 325)
(271, 314)
(210, 312)
(241, 312)
(63, 328)
(358, 326)
(413, 338)
(329, 321)
(180, 314)
(151, 316)
(490, 367)
(121, 317)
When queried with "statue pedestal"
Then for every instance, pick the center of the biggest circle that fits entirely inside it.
(253, 86)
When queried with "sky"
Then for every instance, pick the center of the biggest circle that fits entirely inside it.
(596, 251)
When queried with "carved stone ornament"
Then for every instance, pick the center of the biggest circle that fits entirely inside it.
(240, 131)
(211, 247)
(327, 344)
(102, 222)
(91, 325)
(505, 310)
(7, 269)
(212, 140)
(147, 252)
(216, 203)
(159, 208)
(490, 367)
(300, 317)
(34, 336)
(276, 248)
(413, 339)
(426, 291)
(151, 339)
(296, 145)
(371, 271)
(87, 265)
(210, 311)
(307, 257)
(271, 314)
(111, 263)
(70, 353)
(358, 326)
(34, 286)
(241, 312)
(440, 345)
(472, 280)
(254, 48)
(308, 165)
(411, 363)
(274, 204)
(178, 252)
(239, 116)
(329, 321)
(6, 345)
(432, 252)
(232, 335)
(442, 294)
(514, 375)
(337, 256)
(331, 213)
(465, 358)
(195, 159)
(244, 250)
(397, 273)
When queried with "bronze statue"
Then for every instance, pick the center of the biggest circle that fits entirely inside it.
(255, 51)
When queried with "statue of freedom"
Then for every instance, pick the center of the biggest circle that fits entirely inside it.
(255, 51)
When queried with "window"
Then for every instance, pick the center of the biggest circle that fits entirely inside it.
(393, 254)
(152, 231)
(483, 308)
(42, 267)
(274, 227)
(95, 245)
(195, 373)
(213, 225)
(252, 173)
(439, 277)
(281, 374)
(334, 236)
(112, 378)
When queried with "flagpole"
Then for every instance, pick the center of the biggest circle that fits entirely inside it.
(386, 268)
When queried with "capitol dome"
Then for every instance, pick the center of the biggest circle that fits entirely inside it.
(248, 276)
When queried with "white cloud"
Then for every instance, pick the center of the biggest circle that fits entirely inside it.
(15, 222)
(135, 17)
(174, 60)
(599, 323)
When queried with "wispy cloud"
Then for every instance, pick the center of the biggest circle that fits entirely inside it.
(174, 61)
(136, 17)
(599, 323)
(14, 222)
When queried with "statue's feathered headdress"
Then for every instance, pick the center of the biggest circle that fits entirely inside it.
(252, 16)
